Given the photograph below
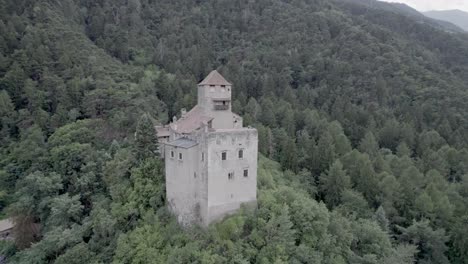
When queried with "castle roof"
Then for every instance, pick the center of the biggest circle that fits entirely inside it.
(162, 131)
(183, 143)
(193, 120)
(6, 225)
(214, 78)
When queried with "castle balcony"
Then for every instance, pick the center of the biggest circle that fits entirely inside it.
(221, 107)
(221, 103)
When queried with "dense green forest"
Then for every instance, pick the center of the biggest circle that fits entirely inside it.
(362, 114)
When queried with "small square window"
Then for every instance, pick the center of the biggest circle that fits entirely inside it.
(246, 173)
(231, 175)
(241, 153)
(180, 156)
(224, 155)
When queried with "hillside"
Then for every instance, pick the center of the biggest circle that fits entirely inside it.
(361, 114)
(456, 17)
(405, 10)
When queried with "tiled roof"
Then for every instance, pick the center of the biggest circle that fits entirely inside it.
(183, 143)
(214, 78)
(191, 121)
(162, 131)
(5, 225)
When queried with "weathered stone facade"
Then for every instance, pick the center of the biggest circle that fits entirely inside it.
(211, 159)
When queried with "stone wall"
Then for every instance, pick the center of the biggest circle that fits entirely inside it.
(227, 193)
(183, 181)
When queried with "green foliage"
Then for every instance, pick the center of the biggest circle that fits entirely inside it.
(146, 143)
(363, 107)
(334, 183)
(430, 242)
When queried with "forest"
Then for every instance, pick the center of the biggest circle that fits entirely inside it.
(361, 110)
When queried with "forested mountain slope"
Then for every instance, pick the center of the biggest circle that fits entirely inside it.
(403, 9)
(457, 17)
(364, 110)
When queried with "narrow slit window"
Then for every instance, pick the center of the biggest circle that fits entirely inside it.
(203, 156)
(224, 155)
(180, 156)
(172, 154)
(246, 173)
(231, 176)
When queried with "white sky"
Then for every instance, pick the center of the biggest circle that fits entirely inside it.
(426, 5)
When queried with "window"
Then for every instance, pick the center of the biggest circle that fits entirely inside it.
(224, 155)
(241, 153)
(223, 86)
(172, 154)
(195, 175)
(231, 176)
(180, 156)
(246, 173)
(221, 104)
(203, 156)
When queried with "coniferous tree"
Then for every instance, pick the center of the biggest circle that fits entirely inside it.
(381, 217)
(333, 183)
(146, 142)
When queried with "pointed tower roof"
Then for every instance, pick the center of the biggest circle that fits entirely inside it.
(214, 78)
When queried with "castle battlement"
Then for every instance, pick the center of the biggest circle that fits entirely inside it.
(210, 158)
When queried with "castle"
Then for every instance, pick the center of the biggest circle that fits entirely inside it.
(210, 158)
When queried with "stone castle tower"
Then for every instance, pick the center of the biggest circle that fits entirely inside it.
(211, 159)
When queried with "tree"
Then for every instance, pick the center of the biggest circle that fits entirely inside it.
(324, 155)
(146, 142)
(424, 205)
(146, 194)
(79, 253)
(333, 183)
(369, 241)
(353, 204)
(363, 177)
(279, 238)
(431, 243)
(381, 218)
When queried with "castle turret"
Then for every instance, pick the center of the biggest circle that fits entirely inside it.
(214, 96)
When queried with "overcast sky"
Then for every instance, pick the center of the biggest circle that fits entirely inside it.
(426, 5)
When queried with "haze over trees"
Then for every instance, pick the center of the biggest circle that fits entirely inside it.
(361, 113)
(457, 17)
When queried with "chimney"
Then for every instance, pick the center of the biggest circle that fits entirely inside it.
(183, 112)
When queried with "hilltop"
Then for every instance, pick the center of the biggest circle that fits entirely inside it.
(360, 108)
(456, 17)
